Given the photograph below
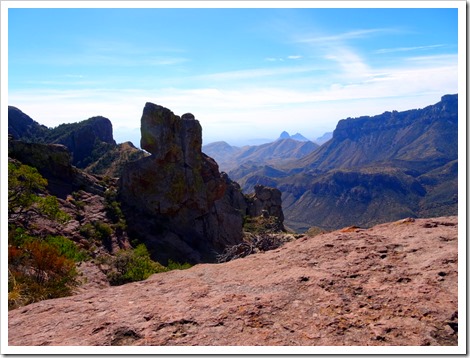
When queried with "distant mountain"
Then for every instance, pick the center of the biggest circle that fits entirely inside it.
(229, 157)
(374, 169)
(324, 138)
(297, 136)
(88, 141)
(221, 151)
(418, 138)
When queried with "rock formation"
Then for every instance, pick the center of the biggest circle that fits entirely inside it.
(194, 210)
(90, 142)
(391, 285)
(22, 126)
(54, 162)
(87, 140)
(265, 201)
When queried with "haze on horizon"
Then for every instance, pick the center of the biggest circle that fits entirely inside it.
(243, 72)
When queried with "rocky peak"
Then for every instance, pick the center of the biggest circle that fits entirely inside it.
(22, 126)
(180, 190)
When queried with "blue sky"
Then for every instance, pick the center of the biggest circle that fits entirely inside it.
(244, 73)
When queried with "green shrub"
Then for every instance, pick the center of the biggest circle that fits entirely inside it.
(67, 248)
(49, 206)
(133, 265)
(87, 231)
(26, 188)
(172, 265)
(103, 231)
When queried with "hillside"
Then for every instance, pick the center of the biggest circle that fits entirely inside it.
(373, 170)
(90, 142)
(392, 285)
(417, 139)
(282, 150)
(169, 208)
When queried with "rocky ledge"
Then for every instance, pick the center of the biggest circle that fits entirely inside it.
(394, 284)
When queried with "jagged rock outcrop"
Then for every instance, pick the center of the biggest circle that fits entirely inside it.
(54, 162)
(50, 159)
(194, 210)
(265, 201)
(90, 142)
(87, 140)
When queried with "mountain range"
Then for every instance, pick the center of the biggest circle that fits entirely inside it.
(90, 141)
(284, 149)
(85, 213)
(373, 168)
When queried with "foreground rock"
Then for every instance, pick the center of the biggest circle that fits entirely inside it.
(393, 284)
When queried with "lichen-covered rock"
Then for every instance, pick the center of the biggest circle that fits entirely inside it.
(179, 191)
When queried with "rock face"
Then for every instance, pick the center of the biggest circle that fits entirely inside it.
(392, 285)
(85, 138)
(195, 210)
(265, 201)
(90, 142)
(419, 139)
(54, 162)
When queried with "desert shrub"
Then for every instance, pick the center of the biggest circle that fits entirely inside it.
(17, 236)
(87, 230)
(37, 271)
(49, 206)
(102, 231)
(172, 265)
(114, 211)
(132, 265)
(67, 248)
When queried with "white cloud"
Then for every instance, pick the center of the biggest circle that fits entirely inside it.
(406, 49)
(248, 110)
(254, 73)
(355, 34)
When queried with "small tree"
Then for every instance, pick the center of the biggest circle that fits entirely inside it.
(25, 184)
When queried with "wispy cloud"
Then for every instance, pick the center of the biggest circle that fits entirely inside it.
(256, 73)
(282, 59)
(406, 49)
(349, 35)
